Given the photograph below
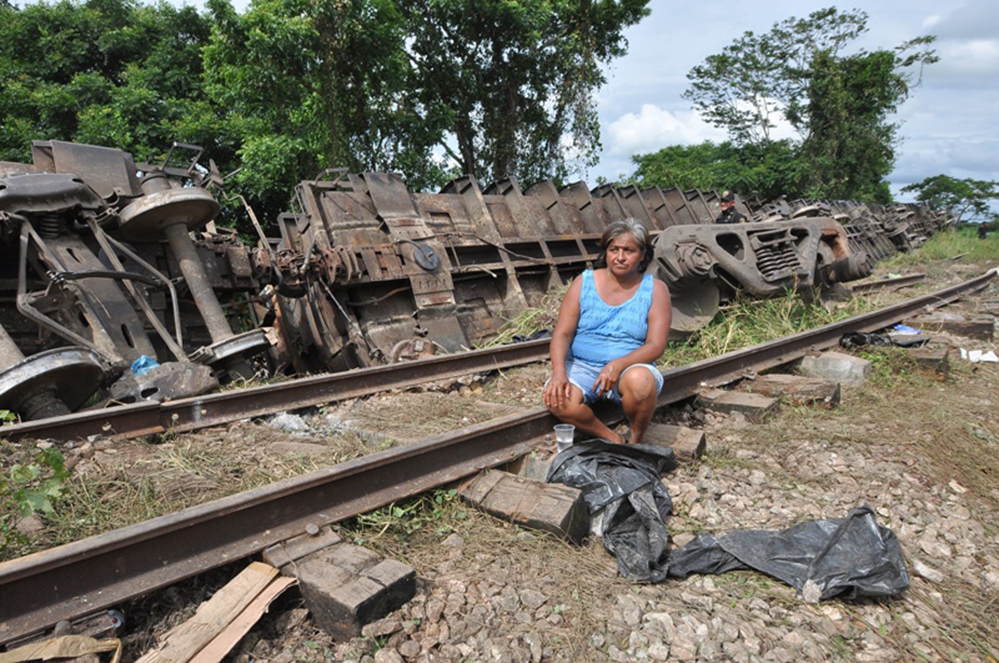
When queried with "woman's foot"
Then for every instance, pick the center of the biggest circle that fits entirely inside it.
(623, 434)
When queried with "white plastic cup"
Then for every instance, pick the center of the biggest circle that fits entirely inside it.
(563, 436)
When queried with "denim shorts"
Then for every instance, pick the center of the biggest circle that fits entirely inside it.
(583, 374)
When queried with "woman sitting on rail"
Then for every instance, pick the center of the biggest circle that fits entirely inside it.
(613, 319)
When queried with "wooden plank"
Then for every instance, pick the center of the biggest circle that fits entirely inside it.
(688, 444)
(223, 643)
(182, 642)
(346, 587)
(62, 647)
(755, 407)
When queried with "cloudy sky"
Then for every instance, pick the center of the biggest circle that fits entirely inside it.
(950, 124)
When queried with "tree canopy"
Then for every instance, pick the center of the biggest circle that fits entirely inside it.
(104, 71)
(967, 199)
(769, 171)
(839, 104)
(429, 88)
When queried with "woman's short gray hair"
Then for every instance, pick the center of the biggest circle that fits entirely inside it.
(620, 227)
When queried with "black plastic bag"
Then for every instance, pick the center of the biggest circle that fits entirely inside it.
(849, 557)
(624, 482)
(538, 335)
(858, 339)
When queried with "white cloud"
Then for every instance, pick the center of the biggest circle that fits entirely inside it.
(653, 128)
(967, 58)
(930, 21)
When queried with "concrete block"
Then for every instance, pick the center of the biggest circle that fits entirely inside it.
(347, 586)
(688, 445)
(836, 366)
(550, 507)
(934, 357)
(755, 407)
(796, 389)
(979, 327)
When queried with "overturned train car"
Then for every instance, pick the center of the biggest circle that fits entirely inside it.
(115, 280)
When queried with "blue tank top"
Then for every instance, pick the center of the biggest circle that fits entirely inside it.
(606, 332)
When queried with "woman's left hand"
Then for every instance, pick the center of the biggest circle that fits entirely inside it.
(607, 379)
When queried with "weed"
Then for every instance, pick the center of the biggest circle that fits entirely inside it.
(748, 322)
(429, 512)
(945, 246)
(28, 489)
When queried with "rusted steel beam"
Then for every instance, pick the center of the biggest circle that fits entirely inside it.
(85, 576)
(188, 414)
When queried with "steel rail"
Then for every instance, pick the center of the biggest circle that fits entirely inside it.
(896, 282)
(101, 571)
(186, 414)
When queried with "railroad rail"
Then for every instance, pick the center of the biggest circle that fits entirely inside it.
(83, 577)
(187, 414)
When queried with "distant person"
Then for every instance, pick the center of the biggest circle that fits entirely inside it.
(611, 331)
(729, 214)
(982, 231)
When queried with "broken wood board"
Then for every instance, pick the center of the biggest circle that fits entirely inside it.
(223, 643)
(183, 642)
(63, 647)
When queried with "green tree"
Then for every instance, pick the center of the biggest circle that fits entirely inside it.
(768, 171)
(839, 104)
(109, 72)
(967, 199)
(431, 88)
(515, 78)
(262, 80)
(757, 78)
(850, 144)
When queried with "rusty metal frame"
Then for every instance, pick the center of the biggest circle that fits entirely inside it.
(82, 577)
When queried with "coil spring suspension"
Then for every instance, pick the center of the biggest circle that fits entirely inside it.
(49, 225)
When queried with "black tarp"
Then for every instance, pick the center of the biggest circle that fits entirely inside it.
(848, 557)
(623, 483)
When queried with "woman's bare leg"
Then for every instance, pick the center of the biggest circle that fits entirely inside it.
(638, 399)
(577, 413)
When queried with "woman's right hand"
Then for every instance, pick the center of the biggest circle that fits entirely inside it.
(556, 392)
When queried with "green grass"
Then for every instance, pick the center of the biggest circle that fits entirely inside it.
(947, 245)
(748, 322)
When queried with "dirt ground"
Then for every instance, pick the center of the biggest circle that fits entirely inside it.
(920, 448)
